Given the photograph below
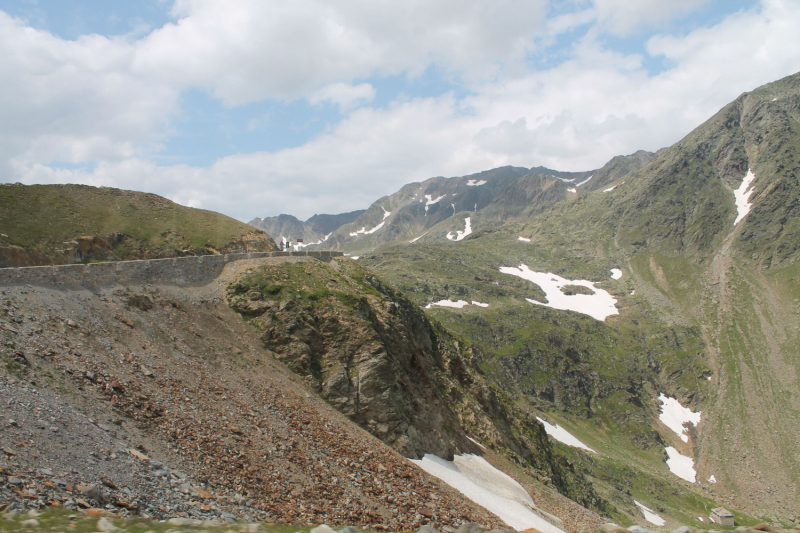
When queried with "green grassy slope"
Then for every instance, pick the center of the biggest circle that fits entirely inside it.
(40, 221)
(712, 300)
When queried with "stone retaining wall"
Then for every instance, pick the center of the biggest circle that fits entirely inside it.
(178, 271)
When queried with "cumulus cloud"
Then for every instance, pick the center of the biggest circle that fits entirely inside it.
(248, 50)
(344, 95)
(109, 101)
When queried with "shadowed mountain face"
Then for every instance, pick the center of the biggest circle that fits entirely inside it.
(315, 229)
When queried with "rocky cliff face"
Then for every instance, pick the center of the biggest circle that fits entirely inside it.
(375, 356)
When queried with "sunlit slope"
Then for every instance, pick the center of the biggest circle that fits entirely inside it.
(39, 223)
(699, 298)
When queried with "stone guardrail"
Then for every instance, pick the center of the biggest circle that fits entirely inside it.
(192, 270)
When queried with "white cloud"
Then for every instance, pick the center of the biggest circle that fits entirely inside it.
(110, 101)
(623, 17)
(248, 50)
(344, 95)
(74, 101)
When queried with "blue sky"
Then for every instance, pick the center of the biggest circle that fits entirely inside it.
(254, 108)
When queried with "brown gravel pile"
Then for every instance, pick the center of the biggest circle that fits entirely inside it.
(175, 376)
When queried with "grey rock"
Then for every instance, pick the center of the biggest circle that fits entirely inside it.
(349, 529)
(14, 481)
(682, 529)
(45, 472)
(430, 529)
(91, 491)
(156, 465)
(471, 528)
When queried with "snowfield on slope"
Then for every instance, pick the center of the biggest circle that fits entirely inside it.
(742, 196)
(674, 416)
(616, 273)
(599, 305)
(488, 487)
(365, 231)
(681, 465)
(650, 515)
(473, 183)
(458, 304)
(563, 436)
(461, 234)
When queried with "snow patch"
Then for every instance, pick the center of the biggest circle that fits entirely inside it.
(461, 234)
(650, 515)
(488, 487)
(418, 238)
(523, 239)
(431, 201)
(712, 479)
(458, 304)
(563, 436)
(633, 292)
(675, 416)
(584, 181)
(616, 273)
(302, 245)
(599, 305)
(365, 231)
(681, 465)
(571, 189)
(742, 196)
(355, 257)
(473, 183)
(476, 442)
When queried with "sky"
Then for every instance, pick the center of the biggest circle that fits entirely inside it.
(254, 108)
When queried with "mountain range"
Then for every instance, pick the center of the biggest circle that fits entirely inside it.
(704, 235)
(623, 343)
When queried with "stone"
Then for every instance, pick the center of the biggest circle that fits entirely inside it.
(324, 528)
(91, 491)
(30, 523)
(139, 455)
(682, 529)
(185, 522)
(156, 465)
(105, 525)
(146, 371)
(640, 529)
(424, 511)
(530, 530)
(427, 529)
(349, 529)
(14, 481)
(473, 528)
(612, 528)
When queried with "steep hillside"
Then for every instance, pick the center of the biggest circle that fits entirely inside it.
(194, 377)
(173, 374)
(59, 224)
(706, 294)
